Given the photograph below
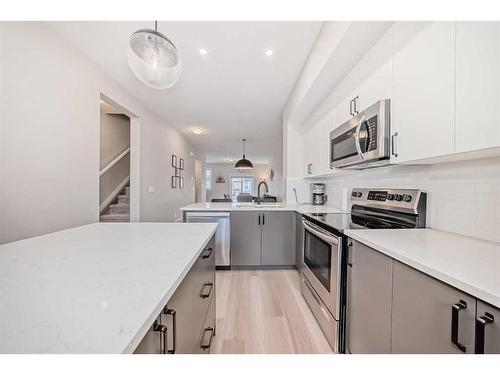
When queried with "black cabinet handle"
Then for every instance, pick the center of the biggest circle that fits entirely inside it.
(263, 219)
(481, 323)
(207, 253)
(455, 310)
(203, 294)
(259, 219)
(173, 313)
(163, 336)
(351, 111)
(211, 331)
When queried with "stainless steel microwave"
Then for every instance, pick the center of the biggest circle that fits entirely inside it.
(363, 141)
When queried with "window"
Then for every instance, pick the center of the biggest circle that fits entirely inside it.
(241, 185)
(208, 179)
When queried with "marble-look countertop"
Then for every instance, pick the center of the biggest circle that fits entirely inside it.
(468, 264)
(301, 208)
(95, 288)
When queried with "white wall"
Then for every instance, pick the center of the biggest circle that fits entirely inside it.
(49, 138)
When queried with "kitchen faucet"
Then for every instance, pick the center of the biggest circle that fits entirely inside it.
(258, 190)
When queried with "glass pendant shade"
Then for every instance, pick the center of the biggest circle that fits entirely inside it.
(154, 59)
(243, 163)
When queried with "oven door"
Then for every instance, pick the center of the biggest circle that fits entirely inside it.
(322, 264)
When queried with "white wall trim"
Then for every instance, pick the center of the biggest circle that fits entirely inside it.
(135, 169)
(114, 161)
(113, 195)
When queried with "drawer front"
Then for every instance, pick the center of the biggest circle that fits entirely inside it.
(186, 310)
(207, 333)
(154, 342)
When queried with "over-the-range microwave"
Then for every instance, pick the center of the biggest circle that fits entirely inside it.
(363, 141)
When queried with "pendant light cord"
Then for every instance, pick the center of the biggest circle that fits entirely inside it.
(156, 25)
(244, 140)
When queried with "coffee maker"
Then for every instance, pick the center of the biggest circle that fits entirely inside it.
(319, 197)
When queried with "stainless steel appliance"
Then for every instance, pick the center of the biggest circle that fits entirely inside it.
(319, 197)
(363, 141)
(325, 250)
(222, 235)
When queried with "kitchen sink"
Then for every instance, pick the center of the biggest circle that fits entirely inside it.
(262, 205)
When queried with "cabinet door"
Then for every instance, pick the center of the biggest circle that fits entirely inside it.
(478, 84)
(487, 329)
(369, 298)
(424, 91)
(299, 241)
(245, 238)
(309, 153)
(422, 314)
(376, 87)
(277, 239)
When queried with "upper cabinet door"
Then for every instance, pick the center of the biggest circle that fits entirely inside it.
(424, 90)
(478, 85)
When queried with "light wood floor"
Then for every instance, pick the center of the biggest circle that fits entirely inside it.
(263, 312)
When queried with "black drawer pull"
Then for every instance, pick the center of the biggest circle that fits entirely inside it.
(455, 310)
(172, 312)
(205, 294)
(207, 253)
(481, 323)
(163, 336)
(207, 345)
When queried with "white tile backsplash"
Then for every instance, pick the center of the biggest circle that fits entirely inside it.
(463, 197)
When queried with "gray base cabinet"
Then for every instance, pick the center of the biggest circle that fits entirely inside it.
(299, 241)
(426, 312)
(487, 335)
(187, 322)
(261, 239)
(369, 300)
(276, 248)
(245, 238)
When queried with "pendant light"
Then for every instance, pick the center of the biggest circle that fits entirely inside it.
(243, 163)
(153, 58)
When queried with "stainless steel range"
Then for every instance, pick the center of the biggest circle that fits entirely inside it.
(324, 261)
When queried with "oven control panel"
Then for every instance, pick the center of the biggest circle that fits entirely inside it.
(388, 198)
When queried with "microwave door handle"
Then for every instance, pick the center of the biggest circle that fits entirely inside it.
(357, 143)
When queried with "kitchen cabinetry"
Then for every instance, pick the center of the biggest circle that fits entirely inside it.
(277, 239)
(423, 92)
(299, 240)
(429, 316)
(487, 335)
(245, 238)
(188, 320)
(477, 123)
(369, 300)
(261, 238)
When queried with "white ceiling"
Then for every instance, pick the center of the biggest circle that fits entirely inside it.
(234, 92)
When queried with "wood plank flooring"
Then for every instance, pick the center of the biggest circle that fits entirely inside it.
(263, 312)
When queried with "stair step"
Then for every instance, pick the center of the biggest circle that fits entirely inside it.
(123, 199)
(115, 218)
(119, 208)
(127, 191)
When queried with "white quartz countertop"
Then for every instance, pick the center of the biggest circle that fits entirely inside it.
(95, 288)
(301, 208)
(468, 264)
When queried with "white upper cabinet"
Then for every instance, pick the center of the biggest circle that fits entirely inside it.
(423, 90)
(477, 124)
(317, 146)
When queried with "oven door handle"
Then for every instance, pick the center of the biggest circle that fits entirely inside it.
(357, 142)
(331, 239)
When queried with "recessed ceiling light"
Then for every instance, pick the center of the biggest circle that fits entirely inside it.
(203, 51)
(198, 131)
(269, 52)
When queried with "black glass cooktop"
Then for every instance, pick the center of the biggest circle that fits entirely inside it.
(341, 222)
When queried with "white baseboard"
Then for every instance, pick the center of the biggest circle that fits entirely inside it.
(113, 195)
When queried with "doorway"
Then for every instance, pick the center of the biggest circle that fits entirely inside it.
(118, 163)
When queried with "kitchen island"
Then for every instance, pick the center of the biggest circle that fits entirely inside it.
(97, 288)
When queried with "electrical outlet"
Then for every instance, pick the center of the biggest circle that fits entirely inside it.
(151, 188)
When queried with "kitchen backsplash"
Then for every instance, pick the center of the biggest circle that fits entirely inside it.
(463, 197)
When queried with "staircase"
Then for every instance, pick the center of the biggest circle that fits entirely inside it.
(119, 210)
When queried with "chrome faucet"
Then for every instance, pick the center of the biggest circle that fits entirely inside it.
(258, 190)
